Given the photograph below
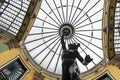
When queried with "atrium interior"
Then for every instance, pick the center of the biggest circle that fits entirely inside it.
(30, 33)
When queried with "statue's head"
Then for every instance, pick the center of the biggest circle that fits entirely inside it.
(73, 46)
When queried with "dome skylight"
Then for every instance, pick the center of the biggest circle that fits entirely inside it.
(82, 19)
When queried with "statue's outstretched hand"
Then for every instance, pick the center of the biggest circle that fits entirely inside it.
(88, 59)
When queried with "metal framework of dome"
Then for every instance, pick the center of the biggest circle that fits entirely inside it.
(83, 21)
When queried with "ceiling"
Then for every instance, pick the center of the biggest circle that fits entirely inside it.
(82, 18)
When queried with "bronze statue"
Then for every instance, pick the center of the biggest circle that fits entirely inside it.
(70, 70)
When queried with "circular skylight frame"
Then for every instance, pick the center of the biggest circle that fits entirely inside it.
(43, 41)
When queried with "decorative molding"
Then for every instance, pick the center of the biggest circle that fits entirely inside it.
(116, 61)
(38, 76)
(13, 43)
(110, 33)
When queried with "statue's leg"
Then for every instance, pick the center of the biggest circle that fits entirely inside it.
(65, 72)
(65, 76)
(73, 70)
(75, 77)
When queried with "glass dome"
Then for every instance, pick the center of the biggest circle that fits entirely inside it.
(83, 20)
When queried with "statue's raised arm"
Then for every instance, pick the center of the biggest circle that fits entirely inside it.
(62, 41)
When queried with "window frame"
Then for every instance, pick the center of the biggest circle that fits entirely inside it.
(104, 73)
(16, 59)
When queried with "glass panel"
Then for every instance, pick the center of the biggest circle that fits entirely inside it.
(12, 14)
(117, 29)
